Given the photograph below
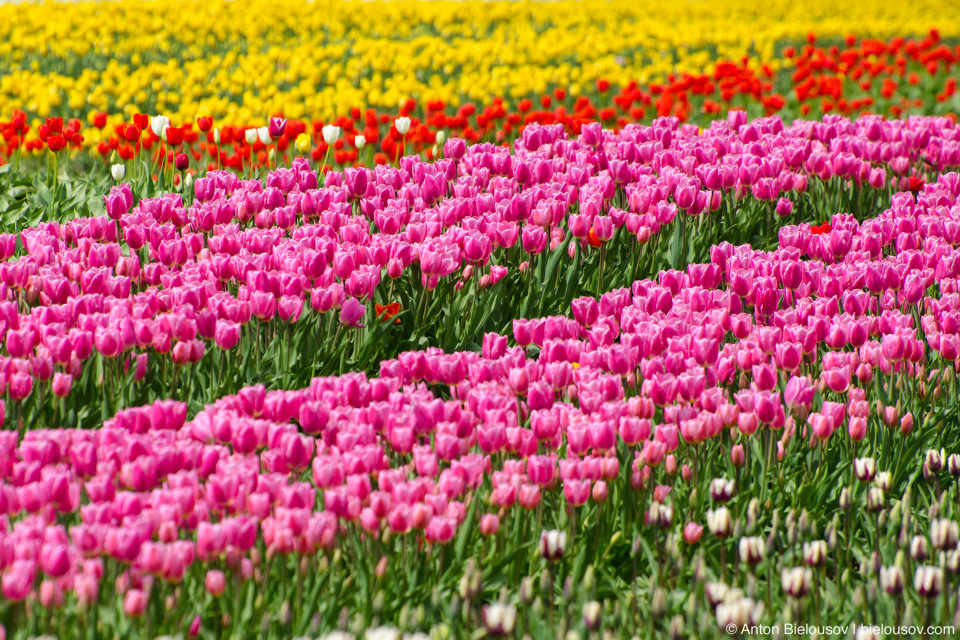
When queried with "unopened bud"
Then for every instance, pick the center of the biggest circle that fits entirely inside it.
(658, 606)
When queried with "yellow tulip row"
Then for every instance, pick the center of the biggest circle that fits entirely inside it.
(242, 60)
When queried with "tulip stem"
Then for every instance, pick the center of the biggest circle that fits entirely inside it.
(596, 554)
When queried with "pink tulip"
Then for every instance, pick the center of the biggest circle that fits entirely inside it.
(692, 533)
(489, 524)
(134, 603)
(215, 583)
(352, 313)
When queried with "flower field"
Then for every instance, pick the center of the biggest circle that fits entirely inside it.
(456, 320)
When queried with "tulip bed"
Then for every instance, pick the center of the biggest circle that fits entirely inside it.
(63, 126)
(659, 380)
(559, 320)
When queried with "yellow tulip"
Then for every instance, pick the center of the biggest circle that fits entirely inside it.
(317, 60)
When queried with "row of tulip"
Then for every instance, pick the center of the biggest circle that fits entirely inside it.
(794, 408)
(895, 78)
(157, 297)
(317, 61)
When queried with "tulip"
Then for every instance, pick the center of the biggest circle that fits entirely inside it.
(118, 171)
(796, 581)
(61, 384)
(944, 534)
(352, 312)
(719, 522)
(928, 581)
(752, 550)
(402, 124)
(194, 630)
(499, 619)
(215, 583)
(722, 490)
(489, 524)
(692, 533)
(158, 124)
(134, 603)
(892, 580)
(865, 469)
(784, 207)
(277, 127)
(815, 552)
(553, 545)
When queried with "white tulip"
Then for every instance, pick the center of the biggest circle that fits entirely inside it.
(331, 134)
(441, 137)
(118, 171)
(158, 124)
(359, 142)
(189, 180)
(382, 633)
(264, 135)
(402, 124)
(216, 137)
(251, 135)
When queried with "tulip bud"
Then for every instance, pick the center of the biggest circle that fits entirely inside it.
(891, 580)
(722, 490)
(928, 581)
(752, 550)
(796, 581)
(588, 579)
(499, 619)
(359, 141)
(944, 534)
(118, 171)
(591, 615)
(865, 469)
(553, 545)
(815, 553)
(546, 582)
(737, 455)
(753, 512)
(804, 522)
(919, 549)
(875, 499)
(286, 614)
(953, 561)
(720, 523)
(846, 500)
(526, 591)
(658, 606)
(489, 524)
(677, 628)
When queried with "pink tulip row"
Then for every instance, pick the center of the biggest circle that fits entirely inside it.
(705, 357)
(161, 277)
